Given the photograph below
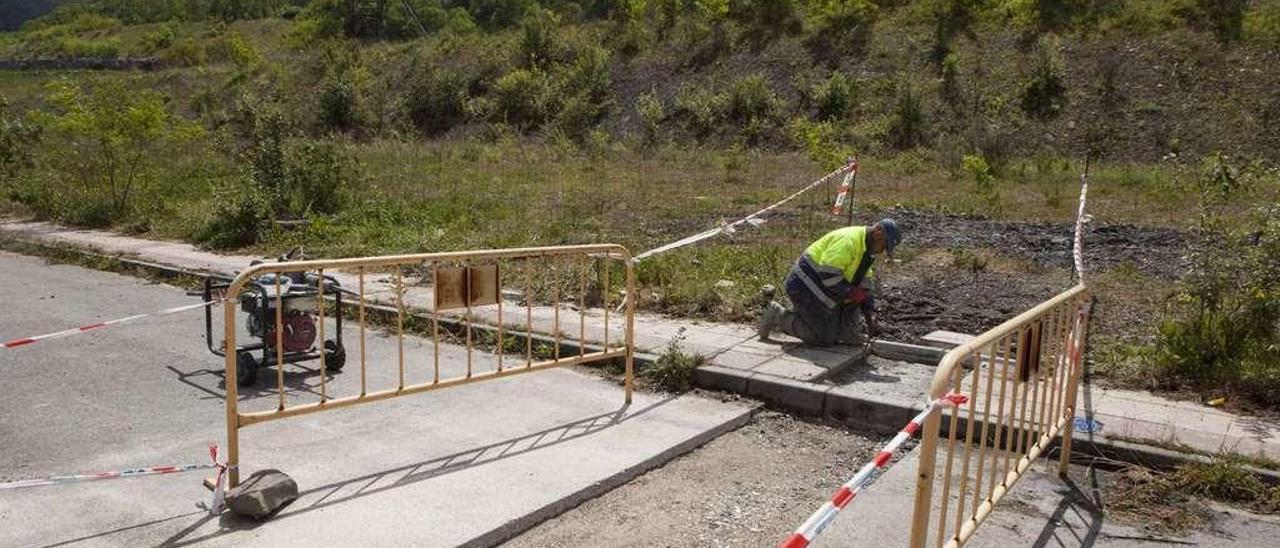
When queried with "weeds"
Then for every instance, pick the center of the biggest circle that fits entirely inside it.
(673, 370)
(1167, 501)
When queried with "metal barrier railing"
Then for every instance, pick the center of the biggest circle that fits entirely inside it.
(471, 282)
(1022, 379)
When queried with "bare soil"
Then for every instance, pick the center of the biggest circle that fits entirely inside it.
(970, 274)
(750, 487)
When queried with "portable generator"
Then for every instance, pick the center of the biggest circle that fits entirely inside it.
(299, 299)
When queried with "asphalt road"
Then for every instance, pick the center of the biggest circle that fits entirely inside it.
(471, 464)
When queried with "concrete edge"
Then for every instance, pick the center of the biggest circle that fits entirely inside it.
(528, 521)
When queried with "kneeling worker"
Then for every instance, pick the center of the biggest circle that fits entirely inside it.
(829, 286)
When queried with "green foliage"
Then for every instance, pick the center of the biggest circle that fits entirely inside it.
(436, 101)
(155, 11)
(979, 172)
(539, 39)
(1224, 331)
(834, 97)
(338, 108)
(1045, 94)
(317, 177)
(821, 140)
(119, 136)
(950, 70)
(1262, 23)
(673, 370)
(652, 113)
(524, 97)
(908, 126)
(751, 99)
(19, 137)
(699, 108)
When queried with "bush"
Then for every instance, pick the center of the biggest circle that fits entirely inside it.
(652, 113)
(1045, 95)
(524, 97)
(316, 178)
(338, 108)
(578, 117)
(1225, 328)
(699, 108)
(589, 74)
(18, 139)
(1262, 23)
(751, 99)
(120, 135)
(539, 39)
(834, 97)
(908, 124)
(673, 370)
(978, 170)
(437, 101)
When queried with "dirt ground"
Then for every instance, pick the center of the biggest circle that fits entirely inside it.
(746, 488)
(969, 275)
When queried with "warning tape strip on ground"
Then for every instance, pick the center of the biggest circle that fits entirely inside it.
(117, 474)
(754, 219)
(820, 519)
(92, 327)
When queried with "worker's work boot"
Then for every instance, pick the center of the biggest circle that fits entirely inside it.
(771, 317)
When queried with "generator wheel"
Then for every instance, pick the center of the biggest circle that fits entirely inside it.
(246, 369)
(335, 356)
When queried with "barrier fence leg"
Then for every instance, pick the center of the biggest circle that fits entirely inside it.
(233, 434)
(631, 327)
(924, 480)
(1076, 361)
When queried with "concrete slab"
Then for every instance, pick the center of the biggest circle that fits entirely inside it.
(946, 340)
(467, 465)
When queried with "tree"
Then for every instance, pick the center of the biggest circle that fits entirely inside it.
(113, 136)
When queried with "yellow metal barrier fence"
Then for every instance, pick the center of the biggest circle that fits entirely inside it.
(1021, 378)
(475, 283)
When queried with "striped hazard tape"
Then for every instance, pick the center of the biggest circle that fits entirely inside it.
(119, 474)
(93, 327)
(820, 519)
(846, 187)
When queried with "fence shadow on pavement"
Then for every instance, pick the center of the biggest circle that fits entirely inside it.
(402, 476)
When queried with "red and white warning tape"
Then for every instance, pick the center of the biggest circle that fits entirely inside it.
(1077, 248)
(846, 187)
(754, 219)
(92, 327)
(820, 519)
(119, 474)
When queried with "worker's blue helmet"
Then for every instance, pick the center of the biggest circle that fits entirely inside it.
(891, 235)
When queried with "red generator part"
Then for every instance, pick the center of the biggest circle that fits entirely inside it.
(299, 332)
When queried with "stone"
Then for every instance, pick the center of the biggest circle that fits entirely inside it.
(262, 493)
(725, 284)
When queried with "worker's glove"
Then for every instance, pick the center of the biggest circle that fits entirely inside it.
(858, 295)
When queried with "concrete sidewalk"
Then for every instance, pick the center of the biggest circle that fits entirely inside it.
(470, 465)
(807, 379)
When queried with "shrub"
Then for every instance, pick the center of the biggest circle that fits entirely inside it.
(539, 39)
(1224, 326)
(589, 74)
(120, 134)
(977, 169)
(1262, 23)
(578, 116)
(673, 370)
(18, 139)
(524, 97)
(338, 108)
(950, 69)
(437, 101)
(317, 175)
(652, 113)
(1045, 95)
(699, 108)
(908, 123)
(751, 99)
(834, 97)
